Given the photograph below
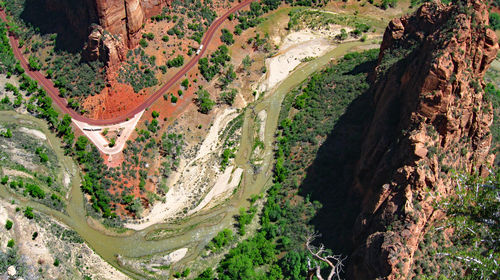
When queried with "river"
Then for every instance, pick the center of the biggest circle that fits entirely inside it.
(199, 229)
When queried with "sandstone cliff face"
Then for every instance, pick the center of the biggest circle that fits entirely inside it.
(120, 25)
(126, 17)
(430, 116)
(105, 47)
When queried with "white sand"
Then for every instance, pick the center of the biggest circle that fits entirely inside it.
(191, 177)
(176, 255)
(34, 132)
(224, 183)
(262, 115)
(295, 47)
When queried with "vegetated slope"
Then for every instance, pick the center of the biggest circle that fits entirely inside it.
(431, 116)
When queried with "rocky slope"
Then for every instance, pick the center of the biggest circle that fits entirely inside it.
(110, 26)
(430, 116)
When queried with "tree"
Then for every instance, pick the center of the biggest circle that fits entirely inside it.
(228, 77)
(205, 104)
(247, 62)
(34, 63)
(155, 114)
(228, 96)
(185, 83)
(28, 213)
(227, 37)
(335, 262)
(9, 224)
(143, 43)
(494, 21)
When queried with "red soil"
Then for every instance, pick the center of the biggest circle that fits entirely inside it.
(113, 101)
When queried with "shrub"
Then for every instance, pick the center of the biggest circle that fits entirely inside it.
(185, 83)
(227, 37)
(205, 104)
(11, 243)
(228, 96)
(176, 62)
(143, 43)
(5, 179)
(149, 36)
(173, 99)
(9, 224)
(165, 38)
(155, 114)
(495, 21)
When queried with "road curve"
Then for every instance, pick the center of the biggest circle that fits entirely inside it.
(62, 103)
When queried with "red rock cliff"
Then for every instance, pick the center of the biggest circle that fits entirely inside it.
(126, 17)
(430, 116)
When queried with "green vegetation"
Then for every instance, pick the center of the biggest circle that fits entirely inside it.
(221, 240)
(173, 98)
(34, 63)
(8, 224)
(149, 36)
(94, 181)
(228, 77)
(178, 61)
(143, 43)
(493, 94)
(139, 71)
(495, 21)
(285, 219)
(76, 78)
(11, 243)
(185, 83)
(7, 60)
(28, 213)
(228, 96)
(205, 104)
(227, 37)
(212, 67)
(314, 19)
(469, 250)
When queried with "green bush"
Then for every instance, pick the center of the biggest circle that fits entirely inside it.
(173, 98)
(205, 104)
(149, 36)
(9, 224)
(11, 243)
(494, 21)
(143, 43)
(176, 62)
(227, 37)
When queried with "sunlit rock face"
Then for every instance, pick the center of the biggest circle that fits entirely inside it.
(430, 116)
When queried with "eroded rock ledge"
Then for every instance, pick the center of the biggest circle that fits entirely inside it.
(430, 116)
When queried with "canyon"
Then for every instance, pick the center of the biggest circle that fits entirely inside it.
(430, 115)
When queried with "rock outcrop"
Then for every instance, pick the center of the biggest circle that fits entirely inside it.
(126, 17)
(103, 46)
(430, 116)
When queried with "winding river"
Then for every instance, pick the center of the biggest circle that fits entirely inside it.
(201, 227)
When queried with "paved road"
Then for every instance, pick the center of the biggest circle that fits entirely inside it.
(62, 103)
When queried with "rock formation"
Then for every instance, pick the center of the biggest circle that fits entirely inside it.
(430, 116)
(123, 20)
(126, 17)
(120, 25)
(105, 47)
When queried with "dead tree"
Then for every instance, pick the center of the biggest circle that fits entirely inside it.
(319, 254)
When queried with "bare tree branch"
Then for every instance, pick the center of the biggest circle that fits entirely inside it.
(335, 262)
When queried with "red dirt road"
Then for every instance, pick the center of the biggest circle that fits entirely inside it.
(62, 103)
